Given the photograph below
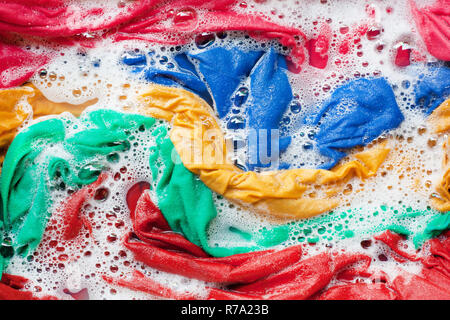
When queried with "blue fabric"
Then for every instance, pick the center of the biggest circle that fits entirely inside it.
(356, 113)
(270, 96)
(432, 89)
(224, 69)
(270, 93)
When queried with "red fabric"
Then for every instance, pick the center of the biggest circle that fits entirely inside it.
(303, 279)
(275, 274)
(433, 23)
(139, 282)
(218, 18)
(433, 283)
(318, 47)
(71, 209)
(149, 224)
(11, 289)
(439, 259)
(17, 65)
(346, 44)
(59, 18)
(413, 287)
(134, 194)
(266, 274)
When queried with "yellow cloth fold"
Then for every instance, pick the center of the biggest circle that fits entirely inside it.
(13, 110)
(440, 120)
(200, 143)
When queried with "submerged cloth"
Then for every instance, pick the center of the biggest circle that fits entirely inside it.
(169, 22)
(279, 193)
(352, 116)
(12, 288)
(225, 71)
(265, 274)
(355, 114)
(434, 27)
(22, 103)
(188, 207)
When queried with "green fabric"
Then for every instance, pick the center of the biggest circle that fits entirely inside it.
(23, 187)
(31, 170)
(188, 206)
(1, 244)
(434, 228)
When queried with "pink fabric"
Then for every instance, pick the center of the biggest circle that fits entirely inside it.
(433, 23)
(18, 65)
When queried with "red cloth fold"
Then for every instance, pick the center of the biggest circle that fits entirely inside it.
(11, 288)
(168, 22)
(18, 65)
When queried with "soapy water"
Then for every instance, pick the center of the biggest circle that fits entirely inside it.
(405, 181)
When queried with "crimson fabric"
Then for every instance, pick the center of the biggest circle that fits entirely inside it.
(17, 65)
(170, 252)
(392, 240)
(359, 291)
(318, 47)
(59, 18)
(433, 283)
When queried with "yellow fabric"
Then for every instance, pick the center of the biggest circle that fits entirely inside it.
(200, 143)
(13, 110)
(440, 119)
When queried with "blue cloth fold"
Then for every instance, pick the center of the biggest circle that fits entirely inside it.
(432, 89)
(356, 113)
(224, 70)
(221, 78)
